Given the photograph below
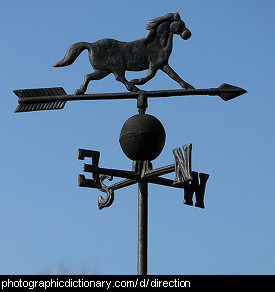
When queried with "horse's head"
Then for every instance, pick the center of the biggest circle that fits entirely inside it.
(173, 23)
(178, 27)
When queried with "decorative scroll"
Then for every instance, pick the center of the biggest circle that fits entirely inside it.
(102, 203)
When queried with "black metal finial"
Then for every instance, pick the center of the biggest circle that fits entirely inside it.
(142, 137)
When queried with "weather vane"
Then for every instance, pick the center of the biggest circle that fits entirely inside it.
(142, 136)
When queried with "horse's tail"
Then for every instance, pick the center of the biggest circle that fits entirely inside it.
(72, 53)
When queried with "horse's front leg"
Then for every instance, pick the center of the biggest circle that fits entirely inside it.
(151, 73)
(172, 74)
(120, 76)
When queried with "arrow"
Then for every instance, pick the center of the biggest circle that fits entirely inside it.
(55, 98)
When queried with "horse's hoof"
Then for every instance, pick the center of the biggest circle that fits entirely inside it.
(135, 89)
(131, 87)
(78, 92)
(135, 81)
(188, 86)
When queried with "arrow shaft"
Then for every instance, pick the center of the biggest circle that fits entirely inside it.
(55, 98)
(122, 95)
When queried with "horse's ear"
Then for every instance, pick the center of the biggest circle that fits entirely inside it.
(176, 16)
(149, 35)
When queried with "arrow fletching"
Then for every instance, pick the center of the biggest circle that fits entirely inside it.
(29, 99)
(227, 91)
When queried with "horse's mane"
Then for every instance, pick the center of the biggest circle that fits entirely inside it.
(154, 23)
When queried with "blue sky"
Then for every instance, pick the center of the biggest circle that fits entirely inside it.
(49, 225)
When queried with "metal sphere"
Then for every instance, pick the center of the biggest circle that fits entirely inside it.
(142, 137)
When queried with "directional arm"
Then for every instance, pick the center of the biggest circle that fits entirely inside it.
(143, 171)
(55, 98)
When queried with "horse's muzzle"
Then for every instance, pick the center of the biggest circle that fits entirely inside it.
(186, 34)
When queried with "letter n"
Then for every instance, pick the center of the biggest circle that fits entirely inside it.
(182, 164)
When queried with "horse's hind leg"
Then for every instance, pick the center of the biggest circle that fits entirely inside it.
(96, 75)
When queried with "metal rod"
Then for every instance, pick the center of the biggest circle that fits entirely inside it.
(55, 98)
(142, 228)
(120, 95)
(126, 95)
(122, 184)
(158, 171)
(112, 172)
(167, 182)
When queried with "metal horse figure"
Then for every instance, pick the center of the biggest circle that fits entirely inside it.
(151, 52)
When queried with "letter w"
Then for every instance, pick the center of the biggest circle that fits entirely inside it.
(197, 188)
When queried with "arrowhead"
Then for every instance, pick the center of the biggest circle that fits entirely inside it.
(227, 91)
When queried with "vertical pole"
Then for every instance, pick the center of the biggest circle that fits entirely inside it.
(142, 204)
(142, 227)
